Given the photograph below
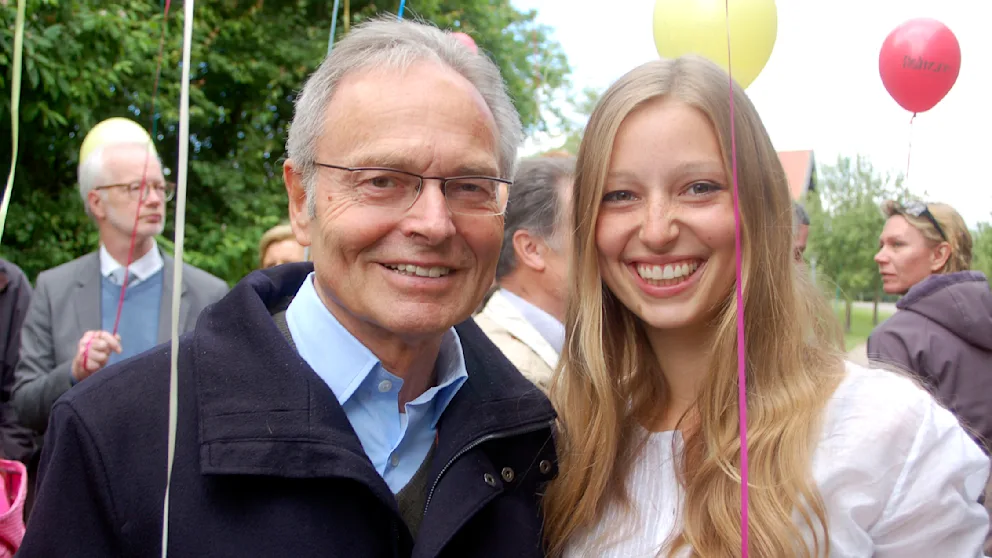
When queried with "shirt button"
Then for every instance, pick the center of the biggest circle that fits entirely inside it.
(385, 386)
(394, 460)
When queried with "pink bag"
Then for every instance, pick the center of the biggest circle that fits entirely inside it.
(13, 490)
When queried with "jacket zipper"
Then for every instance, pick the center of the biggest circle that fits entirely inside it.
(526, 429)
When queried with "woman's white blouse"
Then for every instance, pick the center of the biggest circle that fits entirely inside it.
(899, 476)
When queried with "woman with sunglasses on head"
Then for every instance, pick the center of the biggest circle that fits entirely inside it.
(844, 461)
(942, 329)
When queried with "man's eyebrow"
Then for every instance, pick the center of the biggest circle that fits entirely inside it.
(478, 169)
(402, 162)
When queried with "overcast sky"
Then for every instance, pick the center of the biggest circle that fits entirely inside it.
(821, 89)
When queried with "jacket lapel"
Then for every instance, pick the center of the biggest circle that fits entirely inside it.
(87, 295)
(165, 308)
(504, 314)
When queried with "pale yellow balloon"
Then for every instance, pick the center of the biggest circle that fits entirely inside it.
(114, 131)
(700, 27)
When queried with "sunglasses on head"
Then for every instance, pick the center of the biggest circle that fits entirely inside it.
(920, 209)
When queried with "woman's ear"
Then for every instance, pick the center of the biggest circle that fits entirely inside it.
(939, 257)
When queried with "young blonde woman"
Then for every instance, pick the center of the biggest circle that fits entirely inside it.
(844, 461)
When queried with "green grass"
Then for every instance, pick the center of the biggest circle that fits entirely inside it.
(861, 325)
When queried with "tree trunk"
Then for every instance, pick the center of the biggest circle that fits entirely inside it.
(847, 315)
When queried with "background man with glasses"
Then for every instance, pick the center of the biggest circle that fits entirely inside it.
(74, 307)
(349, 406)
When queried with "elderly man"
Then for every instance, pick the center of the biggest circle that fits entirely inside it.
(334, 409)
(68, 332)
(524, 316)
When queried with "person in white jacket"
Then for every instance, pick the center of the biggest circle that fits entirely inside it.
(524, 316)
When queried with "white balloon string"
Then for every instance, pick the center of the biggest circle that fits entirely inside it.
(177, 276)
(15, 104)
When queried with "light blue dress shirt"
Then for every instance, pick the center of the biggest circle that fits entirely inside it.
(397, 443)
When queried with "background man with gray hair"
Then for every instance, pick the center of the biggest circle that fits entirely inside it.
(74, 307)
(334, 408)
(524, 316)
(67, 333)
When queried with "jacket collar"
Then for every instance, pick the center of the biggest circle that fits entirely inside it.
(263, 410)
(505, 315)
(936, 282)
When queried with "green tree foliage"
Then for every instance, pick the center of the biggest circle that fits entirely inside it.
(845, 223)
(982, 249)
(88, 60)
(581, 106)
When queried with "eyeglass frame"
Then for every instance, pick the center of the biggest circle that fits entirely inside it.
(921, 209)
(420, 188)
(146, 186)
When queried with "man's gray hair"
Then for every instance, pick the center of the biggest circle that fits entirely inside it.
(396, 44)
(534, 205)
(799, 216)
(91, 172)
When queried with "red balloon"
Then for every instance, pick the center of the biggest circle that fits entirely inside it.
(919, 63)
(467, 41)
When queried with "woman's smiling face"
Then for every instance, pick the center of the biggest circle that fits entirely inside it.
(665, 231)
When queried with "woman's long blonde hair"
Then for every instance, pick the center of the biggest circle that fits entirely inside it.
(608, 374)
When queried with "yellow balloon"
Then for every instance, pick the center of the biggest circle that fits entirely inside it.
(113, 131)
(700, 27)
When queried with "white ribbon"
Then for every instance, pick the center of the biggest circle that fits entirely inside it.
(177, 277)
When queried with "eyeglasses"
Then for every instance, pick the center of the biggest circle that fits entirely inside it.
(920, 209)
(399, 190)
(165, 189)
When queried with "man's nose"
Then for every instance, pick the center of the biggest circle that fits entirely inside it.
(430, 217)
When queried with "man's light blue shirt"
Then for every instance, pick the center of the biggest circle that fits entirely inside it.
(397, 443)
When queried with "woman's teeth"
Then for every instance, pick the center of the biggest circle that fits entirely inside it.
(408, 269)
(668, 274)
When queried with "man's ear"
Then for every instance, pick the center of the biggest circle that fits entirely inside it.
(97, 204)
(939, 257)
(299, 214)
(529, 250)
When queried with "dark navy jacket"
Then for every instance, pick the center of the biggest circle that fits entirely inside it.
(266, 461)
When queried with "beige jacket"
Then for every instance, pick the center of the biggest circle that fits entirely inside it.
(522, 344)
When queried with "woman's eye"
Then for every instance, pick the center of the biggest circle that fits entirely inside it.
(618, 196)
(703, 188)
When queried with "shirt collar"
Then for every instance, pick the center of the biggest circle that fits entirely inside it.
(451, 374)
(142, 268)
(547, 325)
(344, 363)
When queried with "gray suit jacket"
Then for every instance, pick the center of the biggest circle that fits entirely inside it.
(65, 305)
